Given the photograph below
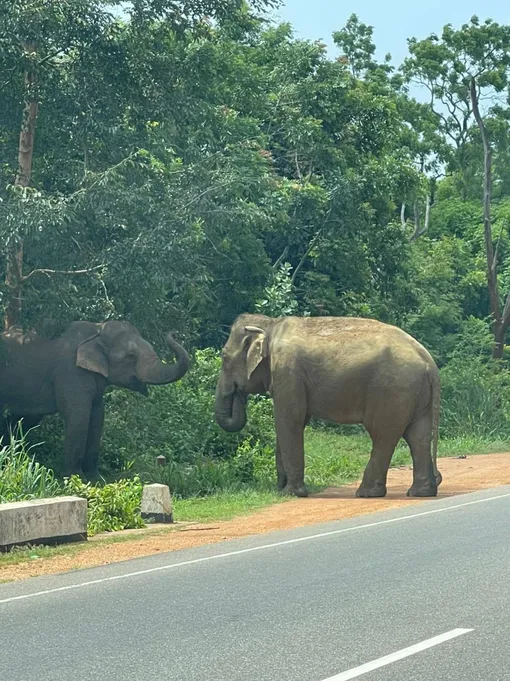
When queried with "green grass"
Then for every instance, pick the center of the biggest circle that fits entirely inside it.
(337, 459)
(331, 459)
(34, 553)
(224, 506)
(472, 445)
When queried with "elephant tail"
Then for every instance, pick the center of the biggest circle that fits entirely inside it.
(435, 384)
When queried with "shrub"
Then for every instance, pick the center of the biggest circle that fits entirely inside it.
(21, 477)
(111, 507)
(475, 399)
(475, 389)
(115, 506)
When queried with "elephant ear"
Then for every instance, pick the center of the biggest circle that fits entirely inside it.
(91, 355)
(257, 350)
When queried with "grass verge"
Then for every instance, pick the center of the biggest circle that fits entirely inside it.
(332, 459)
(224, 506)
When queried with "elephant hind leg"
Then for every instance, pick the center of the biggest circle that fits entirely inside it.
(374, 478)
(418, 436)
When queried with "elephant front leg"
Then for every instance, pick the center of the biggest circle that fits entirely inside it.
(91, 458)
(281, 475)
(290, 449)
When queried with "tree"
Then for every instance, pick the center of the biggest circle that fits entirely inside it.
(55, 55)
(461, 69)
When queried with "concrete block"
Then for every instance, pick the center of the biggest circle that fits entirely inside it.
(43, 521)
(157, 504)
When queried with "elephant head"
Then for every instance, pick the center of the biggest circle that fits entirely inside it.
(117, 351)
(245, 369)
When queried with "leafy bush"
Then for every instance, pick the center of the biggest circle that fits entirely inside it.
(115, 506)
(21, 477)
(251, 465)
(475, 399)
(475, 389)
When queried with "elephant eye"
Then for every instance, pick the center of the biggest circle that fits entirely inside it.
(131, 356)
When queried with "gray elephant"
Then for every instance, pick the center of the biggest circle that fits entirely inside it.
(346, 370)
(69, 375)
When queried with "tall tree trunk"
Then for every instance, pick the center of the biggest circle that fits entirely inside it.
(500, 322)
(14, 256)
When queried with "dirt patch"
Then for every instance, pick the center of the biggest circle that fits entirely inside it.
(460, 477)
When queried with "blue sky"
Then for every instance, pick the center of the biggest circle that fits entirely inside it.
(393, 20)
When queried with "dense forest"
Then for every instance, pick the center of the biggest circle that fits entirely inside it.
(176, 164)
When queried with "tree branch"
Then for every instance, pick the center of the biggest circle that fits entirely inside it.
(496, 251)
(310, 246)
(416, 216)
(281, 258)
(427, 213)
(420, 231)
(506, 313)
(298, 169)
(51, 56)
(48, 272)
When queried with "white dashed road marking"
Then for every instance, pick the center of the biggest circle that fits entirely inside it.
(399, 655)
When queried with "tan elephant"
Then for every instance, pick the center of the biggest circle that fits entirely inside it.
(343, 369)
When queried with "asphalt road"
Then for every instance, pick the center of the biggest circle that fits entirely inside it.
(313, 604)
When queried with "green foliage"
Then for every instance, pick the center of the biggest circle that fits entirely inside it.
(111, 507)
(445, 65)
(475, 390)
(21, 477)
(476, 399)
(279, 299)
(178, 161)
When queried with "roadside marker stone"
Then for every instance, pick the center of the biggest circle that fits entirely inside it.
(157, 504)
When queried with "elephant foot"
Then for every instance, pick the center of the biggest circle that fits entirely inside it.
(429, 490)
(91, 476)
(281, 480)
(371, 492)
(300, 491)
(69, 472)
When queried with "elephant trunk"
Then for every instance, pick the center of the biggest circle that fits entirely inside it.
(229, 409)
(157, 372)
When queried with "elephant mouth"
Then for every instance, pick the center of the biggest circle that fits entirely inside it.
(138, 387)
